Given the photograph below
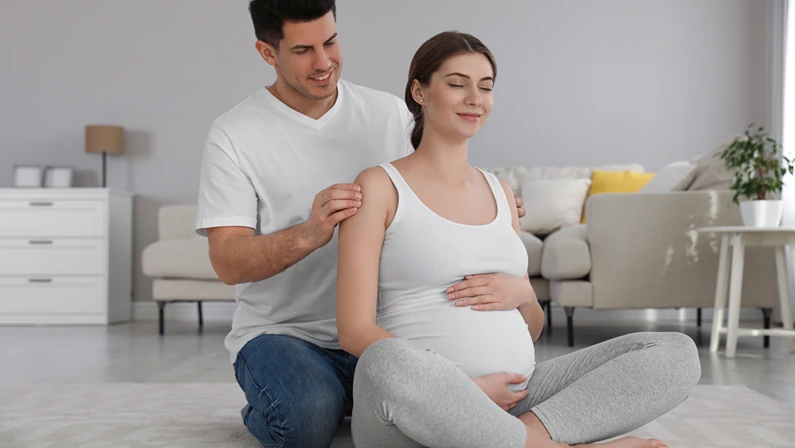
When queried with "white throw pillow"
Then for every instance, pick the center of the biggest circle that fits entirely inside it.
(676, 176)
(552, 204)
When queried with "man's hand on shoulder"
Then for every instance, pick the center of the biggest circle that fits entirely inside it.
(520, 207)
(330, 207)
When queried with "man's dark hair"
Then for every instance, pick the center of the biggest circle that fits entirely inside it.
(269, 16)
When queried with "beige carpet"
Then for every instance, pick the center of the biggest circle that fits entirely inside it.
(122, 415)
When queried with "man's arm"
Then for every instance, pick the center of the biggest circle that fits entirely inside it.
(238, 256)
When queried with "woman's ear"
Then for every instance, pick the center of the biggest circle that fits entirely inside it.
(417, 92)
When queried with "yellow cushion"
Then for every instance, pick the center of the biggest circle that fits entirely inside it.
(616, 182)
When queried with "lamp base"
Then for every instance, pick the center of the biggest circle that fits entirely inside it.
(104, 168)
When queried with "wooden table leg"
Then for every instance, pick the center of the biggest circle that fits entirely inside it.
(720, 293)
(735, 292)
(783, 293)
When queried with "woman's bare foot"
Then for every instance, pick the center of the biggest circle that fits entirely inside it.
(627, 442)
(538, 437)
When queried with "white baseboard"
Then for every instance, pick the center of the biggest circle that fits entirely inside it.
(223, 311)
(211, 311)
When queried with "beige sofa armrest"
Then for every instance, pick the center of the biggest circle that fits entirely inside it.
(566, 254)
(534, 247)
(646, 251)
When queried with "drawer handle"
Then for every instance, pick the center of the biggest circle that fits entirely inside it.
(40, 280)
(40, 242)
(40, 204)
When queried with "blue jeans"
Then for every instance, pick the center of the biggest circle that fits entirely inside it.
(296, 391)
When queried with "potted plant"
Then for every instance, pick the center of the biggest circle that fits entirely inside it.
(759, 167)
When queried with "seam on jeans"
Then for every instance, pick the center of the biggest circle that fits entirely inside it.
(263, 391)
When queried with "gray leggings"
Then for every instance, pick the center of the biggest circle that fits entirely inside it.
(405, 396)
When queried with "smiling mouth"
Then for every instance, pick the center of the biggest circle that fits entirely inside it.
(470, 117)
(322, 77)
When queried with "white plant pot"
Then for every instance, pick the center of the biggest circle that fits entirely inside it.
(764, 213)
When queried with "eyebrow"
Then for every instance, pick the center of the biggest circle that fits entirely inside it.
(309, 47)
(487, 78)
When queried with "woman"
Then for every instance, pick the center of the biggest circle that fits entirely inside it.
(435, 371)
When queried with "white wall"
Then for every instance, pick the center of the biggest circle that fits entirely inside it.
(580, 82)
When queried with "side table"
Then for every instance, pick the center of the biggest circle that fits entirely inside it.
(739, 237)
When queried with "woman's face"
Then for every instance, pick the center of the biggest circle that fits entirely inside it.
(459, 98)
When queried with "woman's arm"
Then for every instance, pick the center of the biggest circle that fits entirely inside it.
(360, 240)
(531, 310)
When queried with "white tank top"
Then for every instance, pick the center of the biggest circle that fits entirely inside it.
(423, 255)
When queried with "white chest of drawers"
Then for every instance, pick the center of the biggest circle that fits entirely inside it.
(65, 256)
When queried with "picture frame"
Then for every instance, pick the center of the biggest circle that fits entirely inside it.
(28, 176)
(58, 177)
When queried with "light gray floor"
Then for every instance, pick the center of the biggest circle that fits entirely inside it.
(134, 352)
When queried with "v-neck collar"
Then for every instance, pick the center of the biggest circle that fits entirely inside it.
(318, 124)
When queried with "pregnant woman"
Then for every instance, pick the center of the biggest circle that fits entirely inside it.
(433, 297)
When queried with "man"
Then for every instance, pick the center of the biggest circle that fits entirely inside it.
(272, 191)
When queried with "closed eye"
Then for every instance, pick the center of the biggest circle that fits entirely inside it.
(456, 85)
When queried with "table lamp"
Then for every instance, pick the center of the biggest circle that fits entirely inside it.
(105, 139)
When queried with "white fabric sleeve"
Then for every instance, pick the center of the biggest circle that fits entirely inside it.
(407, 124)
(226, 195)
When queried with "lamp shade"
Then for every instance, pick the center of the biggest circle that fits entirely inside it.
(102, 138)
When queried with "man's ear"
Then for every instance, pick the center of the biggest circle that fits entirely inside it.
(267, 52)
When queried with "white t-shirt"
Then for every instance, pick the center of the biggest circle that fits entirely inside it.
(263, 165)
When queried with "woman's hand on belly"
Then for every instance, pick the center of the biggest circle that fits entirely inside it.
(496, 387)
(491, 292)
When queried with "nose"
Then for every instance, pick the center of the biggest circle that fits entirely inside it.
(322, 62)
(473, 97)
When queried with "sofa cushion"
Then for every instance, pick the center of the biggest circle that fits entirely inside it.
(552, 203)
(616, 182)
(192, 290)
(534, 247)
(179, 258)
(566, 254)
(515, 175)
(711, 172)
(676, 176)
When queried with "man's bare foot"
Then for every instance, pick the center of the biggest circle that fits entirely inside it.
(627, 442)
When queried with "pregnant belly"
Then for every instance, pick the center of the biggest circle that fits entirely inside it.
(479, 343)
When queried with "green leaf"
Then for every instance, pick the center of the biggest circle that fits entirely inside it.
(758, 164)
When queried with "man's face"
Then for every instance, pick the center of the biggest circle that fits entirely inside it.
(309, 57)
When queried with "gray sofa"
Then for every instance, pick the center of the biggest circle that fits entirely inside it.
(639, 251)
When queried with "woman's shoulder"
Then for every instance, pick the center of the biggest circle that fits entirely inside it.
(375, 175)
(506, 187)
(375, 181)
